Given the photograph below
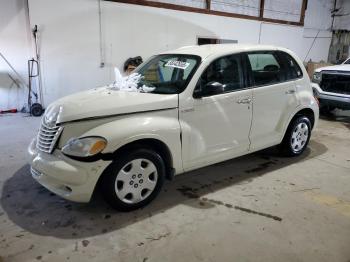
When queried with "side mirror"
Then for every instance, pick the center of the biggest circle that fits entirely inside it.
(197, 93)
(212, 88)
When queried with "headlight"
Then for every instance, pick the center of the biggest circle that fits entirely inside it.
(85, 146)
(317, 77)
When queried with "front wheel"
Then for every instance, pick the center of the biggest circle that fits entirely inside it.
(134, 180)
(297, 137)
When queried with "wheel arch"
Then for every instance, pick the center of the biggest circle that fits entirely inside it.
(308, 112)
(151, 143)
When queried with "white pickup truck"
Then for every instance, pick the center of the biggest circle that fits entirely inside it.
(331, 85)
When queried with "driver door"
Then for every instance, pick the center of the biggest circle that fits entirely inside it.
(216, 124)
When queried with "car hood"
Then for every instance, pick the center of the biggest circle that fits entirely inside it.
(334, 68)
(104, 102)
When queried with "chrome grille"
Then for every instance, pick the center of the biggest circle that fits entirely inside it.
(47, 137)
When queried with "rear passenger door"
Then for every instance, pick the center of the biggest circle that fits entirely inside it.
(274, 97)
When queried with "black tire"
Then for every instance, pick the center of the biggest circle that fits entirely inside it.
(286, 147)
(109, 178)
(36, 109)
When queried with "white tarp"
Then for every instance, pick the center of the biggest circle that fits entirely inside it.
(129, 83)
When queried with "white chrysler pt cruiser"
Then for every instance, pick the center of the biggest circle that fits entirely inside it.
(203, 105)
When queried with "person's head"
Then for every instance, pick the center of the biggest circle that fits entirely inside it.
(131, 63)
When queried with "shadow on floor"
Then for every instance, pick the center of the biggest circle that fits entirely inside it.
(35, 209)
(342, 116)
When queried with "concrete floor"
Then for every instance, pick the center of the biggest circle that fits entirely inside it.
(259, 207)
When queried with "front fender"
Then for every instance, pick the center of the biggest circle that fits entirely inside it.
(120, 132)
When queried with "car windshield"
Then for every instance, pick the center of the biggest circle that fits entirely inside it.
(347, 62)
(168, 74)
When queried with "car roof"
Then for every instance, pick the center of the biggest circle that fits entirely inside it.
(221, 49)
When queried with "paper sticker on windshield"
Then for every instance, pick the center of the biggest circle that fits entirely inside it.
(177, 64)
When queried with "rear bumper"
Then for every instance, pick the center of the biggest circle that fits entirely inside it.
(70, 179)
(331, 99)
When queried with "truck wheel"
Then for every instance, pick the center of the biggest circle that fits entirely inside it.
(296, 137)
(134, 180)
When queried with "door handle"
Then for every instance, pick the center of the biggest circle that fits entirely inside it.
(289, 92)
(244, 101)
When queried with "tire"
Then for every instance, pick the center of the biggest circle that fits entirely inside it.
(134, 180)
(36, 109)
(296, 137)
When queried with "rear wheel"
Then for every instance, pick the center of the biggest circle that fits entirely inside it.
(134, 180)
(297, 137)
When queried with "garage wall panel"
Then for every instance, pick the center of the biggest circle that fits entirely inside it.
(288, 10)
(317, 14)
(342, 20)
(245, 7)
(15, 45)
(69, 45)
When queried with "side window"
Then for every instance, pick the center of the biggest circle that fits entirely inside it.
(292, 69)
(225, 72)
(266, 68)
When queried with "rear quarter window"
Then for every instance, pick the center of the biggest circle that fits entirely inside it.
(291, 67)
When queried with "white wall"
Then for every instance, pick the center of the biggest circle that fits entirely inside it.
(161, 29)
(15, 45)
(70, 43)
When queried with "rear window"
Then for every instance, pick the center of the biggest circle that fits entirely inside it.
(292, 69)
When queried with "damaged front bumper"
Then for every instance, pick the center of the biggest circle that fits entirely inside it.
(68, 178)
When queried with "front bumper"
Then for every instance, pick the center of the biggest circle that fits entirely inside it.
(68, 178)
(331, 99)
